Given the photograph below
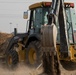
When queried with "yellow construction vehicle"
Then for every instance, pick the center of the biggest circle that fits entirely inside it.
(39, 38)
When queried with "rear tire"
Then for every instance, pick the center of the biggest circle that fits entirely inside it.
(12, 59)
(68, 65)
(33, 54)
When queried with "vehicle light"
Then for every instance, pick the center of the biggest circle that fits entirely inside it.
(69, 5)
(47, 3)
(72, 5)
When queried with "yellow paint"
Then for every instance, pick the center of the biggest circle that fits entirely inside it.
(32, 56)
(72, 52)
(21, 53)
(9, 60)
(41, 4)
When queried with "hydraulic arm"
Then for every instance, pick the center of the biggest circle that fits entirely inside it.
(49, 34)
(64, 45)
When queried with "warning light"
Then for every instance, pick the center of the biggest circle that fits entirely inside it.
(48, 4)
(69, 5)
(72, 5)
(66, 4)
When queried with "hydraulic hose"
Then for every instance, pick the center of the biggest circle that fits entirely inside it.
(54, 12)
(53, 6)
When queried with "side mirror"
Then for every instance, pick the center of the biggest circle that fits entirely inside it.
(25, 15)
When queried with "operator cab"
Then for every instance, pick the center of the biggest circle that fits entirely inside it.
(38, 17)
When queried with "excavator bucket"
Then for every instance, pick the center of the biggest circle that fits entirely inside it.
(49, 53)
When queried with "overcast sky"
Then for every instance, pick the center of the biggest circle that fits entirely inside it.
(11, 14)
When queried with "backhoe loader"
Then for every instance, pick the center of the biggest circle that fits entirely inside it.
(50, 37)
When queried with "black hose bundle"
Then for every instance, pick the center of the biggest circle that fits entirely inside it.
(54, 12)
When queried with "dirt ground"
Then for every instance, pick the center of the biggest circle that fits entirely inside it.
(4, 37)
(23, 69)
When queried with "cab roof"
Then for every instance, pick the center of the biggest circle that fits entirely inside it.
(45, 4)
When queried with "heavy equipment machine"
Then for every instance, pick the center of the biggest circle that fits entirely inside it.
(46, 19)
